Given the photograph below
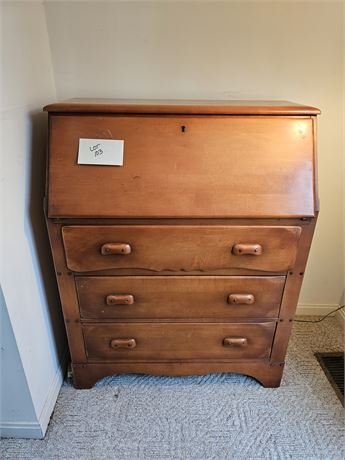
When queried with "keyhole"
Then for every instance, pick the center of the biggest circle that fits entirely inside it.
(183, 129)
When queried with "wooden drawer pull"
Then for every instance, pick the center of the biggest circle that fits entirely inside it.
(117, 299)
(244, 249)
(241, 299)
(235, 342)
(115, 248)
(123, 343)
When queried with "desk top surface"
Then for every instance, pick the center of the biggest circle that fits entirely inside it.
(181, 106)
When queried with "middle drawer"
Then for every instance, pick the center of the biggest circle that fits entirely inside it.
(173, 297)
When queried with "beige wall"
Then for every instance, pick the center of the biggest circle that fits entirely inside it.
(276, 50)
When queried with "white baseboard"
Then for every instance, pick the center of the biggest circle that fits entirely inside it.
(53, 393)
(315, 309)
(21, 430)
(37, 430)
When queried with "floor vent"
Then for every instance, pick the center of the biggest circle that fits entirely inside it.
(333, 366)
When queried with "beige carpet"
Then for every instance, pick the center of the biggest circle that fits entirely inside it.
(210, 417)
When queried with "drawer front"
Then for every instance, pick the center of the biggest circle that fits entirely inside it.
(184, 166)
(192, 297)
(180, 248)
(169, 341)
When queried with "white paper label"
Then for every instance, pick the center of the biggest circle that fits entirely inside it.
(100, 152)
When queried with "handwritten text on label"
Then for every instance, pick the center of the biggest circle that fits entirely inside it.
(107, 152)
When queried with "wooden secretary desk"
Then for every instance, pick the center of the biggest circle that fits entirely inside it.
(189, 257)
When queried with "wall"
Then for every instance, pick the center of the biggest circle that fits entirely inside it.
(26, 270)
(274, 50)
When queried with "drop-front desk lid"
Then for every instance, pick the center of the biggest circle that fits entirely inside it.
(182, 159)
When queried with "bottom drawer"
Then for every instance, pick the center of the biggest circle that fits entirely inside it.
(171, 341)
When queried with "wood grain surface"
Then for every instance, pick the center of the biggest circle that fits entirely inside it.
(184, 166)
(267, 372)
(178, 341)
(182, 106)
(180, 248)
(185, 297)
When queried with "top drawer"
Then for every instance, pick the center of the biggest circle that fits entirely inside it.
(179, 247)
(184, 166)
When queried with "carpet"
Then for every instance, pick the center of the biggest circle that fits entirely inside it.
(216, 416)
